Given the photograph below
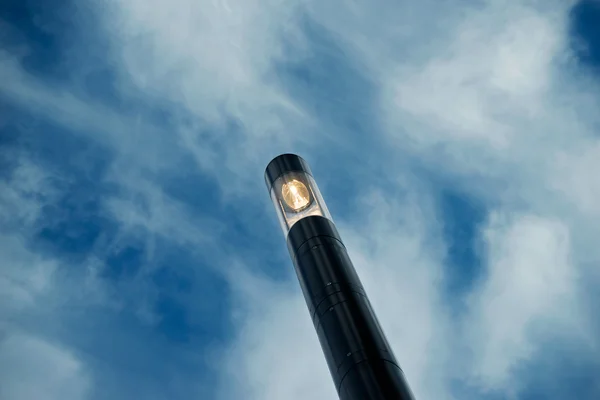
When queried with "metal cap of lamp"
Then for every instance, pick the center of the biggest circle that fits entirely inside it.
(359, 357)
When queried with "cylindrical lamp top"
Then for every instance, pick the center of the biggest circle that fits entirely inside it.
(293, 190)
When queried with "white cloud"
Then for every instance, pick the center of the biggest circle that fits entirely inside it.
(575, 176)
(530, 280)
(23, 276)
(32, 369)
(23, 193)
(216, 63)
(276, 353)
(472, 90)
(498, 65)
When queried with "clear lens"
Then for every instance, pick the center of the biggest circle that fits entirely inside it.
(295, 195)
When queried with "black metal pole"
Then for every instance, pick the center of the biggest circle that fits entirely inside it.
(359, 356)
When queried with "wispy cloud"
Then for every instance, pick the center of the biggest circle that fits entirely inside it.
(140, 255)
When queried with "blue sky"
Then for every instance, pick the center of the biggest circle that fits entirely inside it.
(456, 144)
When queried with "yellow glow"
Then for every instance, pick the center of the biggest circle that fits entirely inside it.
(295, 194)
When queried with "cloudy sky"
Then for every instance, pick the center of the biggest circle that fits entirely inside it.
(456, 143)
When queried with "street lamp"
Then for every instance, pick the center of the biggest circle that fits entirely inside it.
(360, 359)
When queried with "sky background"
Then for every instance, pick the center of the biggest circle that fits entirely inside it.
(456, 143)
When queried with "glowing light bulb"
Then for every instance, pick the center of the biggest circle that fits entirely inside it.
(295, 194)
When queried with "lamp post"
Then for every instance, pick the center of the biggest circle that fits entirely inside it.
(358, 355)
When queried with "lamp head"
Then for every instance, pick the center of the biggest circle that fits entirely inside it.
(293, 190)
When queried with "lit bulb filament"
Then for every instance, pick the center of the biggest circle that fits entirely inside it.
(296, 195)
